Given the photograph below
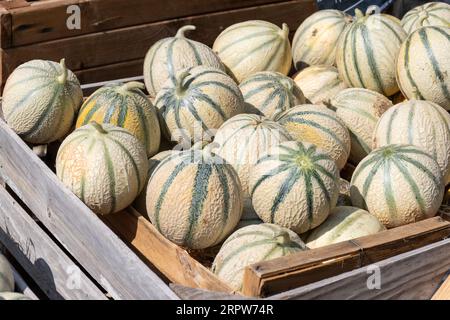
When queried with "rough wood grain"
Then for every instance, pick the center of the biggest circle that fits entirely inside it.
(46, 20)
(443, 293)
(187, 293)
(44, 261)
(270, 277)
(173, 261)
(132, 43)
(412, 275)
(101, 253)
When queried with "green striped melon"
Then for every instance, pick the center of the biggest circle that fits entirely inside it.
(6, 275)
(13, 296)
(271, 92)
(200, 101)
(318, 125)
(103, 165)
(423, 66)
(170, 55)
(360, 110)
(420, 123)
(429, 14)
(40, 100)
(319, 83)
(367, 51)
(399, 184)
(140, 202)
(294, 185)
(252, 244)
(243, 139)
(126, 106)
(194, 199)
(344, 193)
(344, 223)
(315, 40)
(252, 46)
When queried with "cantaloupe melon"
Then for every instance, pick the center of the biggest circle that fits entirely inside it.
(271, 93)
(126, 106)
(319, 83)
(194, 199)
(199, 101)
(170, 55)
(344, 223)
(252, 244)
(360, 110)
(420, 123)
(423, 66)
(429, 14)
(6, 275)
(252, 46)
(399, 184)
(295, 185)
(366, 52)
(318, 125)
(104, 165)
(40, 100)
(315, 40)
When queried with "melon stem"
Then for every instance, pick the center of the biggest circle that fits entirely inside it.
(132, 85)
(182, 30)
(285, 30)
(180, 85)
(359, 14)
(98, 127)
(282, 237)
(63, 77)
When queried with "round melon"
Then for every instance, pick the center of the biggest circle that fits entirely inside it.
(194, 199)
(250, 245)
(423, 67)
(319, 83)
(420, 123)
(170, 55)
(315, 40)
(429, 14)
(103, 165)
(344, 223)
(271, 93)
(126, 106)
(367, 51)
(243, 139)
(140, 202)
(252, 46)
(318, 125)
(360, 110)
(6, 275)
(199, 101)
(13, 296)
(40, 100)
(399, 184)
(295, 185)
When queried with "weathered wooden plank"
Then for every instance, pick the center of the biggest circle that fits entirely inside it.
(173, 261)
(132, 43)
(46, 20)
(187, 293)
(412, 275)
(443, 293)
(288, 272)
(21, 286)
(101, 253)
(44, 261)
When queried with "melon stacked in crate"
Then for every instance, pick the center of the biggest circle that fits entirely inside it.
(259, 154)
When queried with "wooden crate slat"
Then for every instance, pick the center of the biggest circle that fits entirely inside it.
(131, 43)
(174, 262)
(288, 272)
(443, 293)
(411, 275)
(188, 293)
(44, 261)
(46, 20)
(107, 259)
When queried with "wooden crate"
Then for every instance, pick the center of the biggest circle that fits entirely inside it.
(115, 34)
(88, 242)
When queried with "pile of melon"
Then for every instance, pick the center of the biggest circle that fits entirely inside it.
(256, 148)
